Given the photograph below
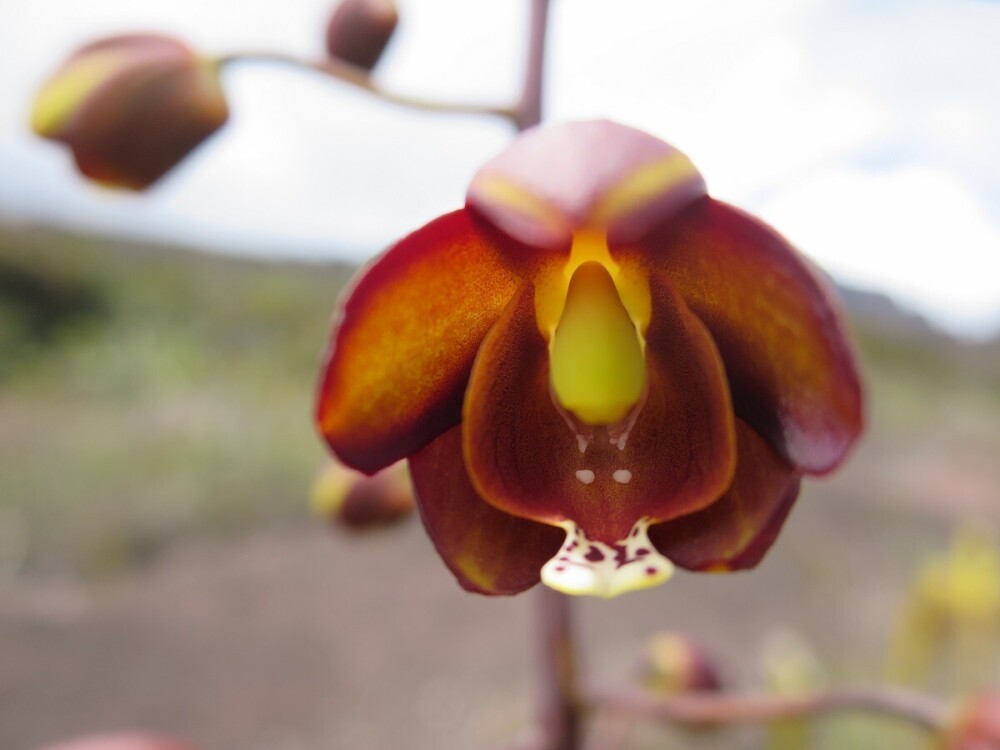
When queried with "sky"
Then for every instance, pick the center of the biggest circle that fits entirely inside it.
(864, 130)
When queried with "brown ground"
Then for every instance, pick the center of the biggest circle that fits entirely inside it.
(288, 638)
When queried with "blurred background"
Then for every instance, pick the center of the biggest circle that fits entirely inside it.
(158, 566)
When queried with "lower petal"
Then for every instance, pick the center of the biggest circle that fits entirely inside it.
(736, 531)
(490, 552)
(672, 456)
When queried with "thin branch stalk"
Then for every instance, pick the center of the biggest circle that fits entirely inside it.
(361, 79)
(529, 111)
(719, 708)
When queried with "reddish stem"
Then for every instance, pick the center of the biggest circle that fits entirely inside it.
(559, 716)
(719, 708)
(558, 726)
(529, 111)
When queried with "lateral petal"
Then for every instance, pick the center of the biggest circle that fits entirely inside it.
(736, 531)
(406, 335)
(489, 552)
(790, 365)
(673, 455)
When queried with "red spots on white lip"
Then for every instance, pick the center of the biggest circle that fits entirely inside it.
(591, 568)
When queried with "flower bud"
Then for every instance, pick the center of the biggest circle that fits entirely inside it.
(977, 726)
(359, 502)
(131, 107)
(677, 664)
(359, 30)
(120, 741)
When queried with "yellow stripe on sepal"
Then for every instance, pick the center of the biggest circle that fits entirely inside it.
(63, 94)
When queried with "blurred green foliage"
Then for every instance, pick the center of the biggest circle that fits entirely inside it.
(150, 392)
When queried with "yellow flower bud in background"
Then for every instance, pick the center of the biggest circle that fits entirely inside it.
(950, 622)
(674, 663)
(357, 502)
(791, 668)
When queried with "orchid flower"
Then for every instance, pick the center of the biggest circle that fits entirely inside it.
(597, 371)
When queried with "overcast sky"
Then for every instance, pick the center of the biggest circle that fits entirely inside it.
(865, 130)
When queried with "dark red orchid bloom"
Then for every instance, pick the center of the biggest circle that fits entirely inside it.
(596, 371)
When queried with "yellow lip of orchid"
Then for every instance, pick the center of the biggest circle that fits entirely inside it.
(592, 352)
(598, 367)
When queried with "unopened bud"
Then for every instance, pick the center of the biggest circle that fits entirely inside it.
(131, 107)
(359, 502)
(977, 725)
(677, 664)
(359, 30)
(120, 741)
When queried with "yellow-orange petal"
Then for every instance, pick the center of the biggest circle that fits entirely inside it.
(406, 335)
(736, 531)
(556, 179)
(488, 551)
(776, 323)
(673, 456)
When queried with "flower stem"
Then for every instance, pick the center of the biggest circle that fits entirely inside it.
(718, 708)
(360, 78)
(529, 110)
(558, 725)
(559, 715)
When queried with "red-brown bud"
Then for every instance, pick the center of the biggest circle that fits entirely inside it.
(120, 741)
(977, 726)
(359, 30)
(131, 107)
(359, 502)
(677, 664)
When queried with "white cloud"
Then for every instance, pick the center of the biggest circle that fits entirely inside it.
(917, 231)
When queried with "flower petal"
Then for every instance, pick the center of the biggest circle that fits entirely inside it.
(489, 552)
(548, 183)
(790, 366)
(406, 337)
(525, 458)
(736, 531)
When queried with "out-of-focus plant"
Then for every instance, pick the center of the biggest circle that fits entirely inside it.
(950, 619)
(791, 668)
(976, 725)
